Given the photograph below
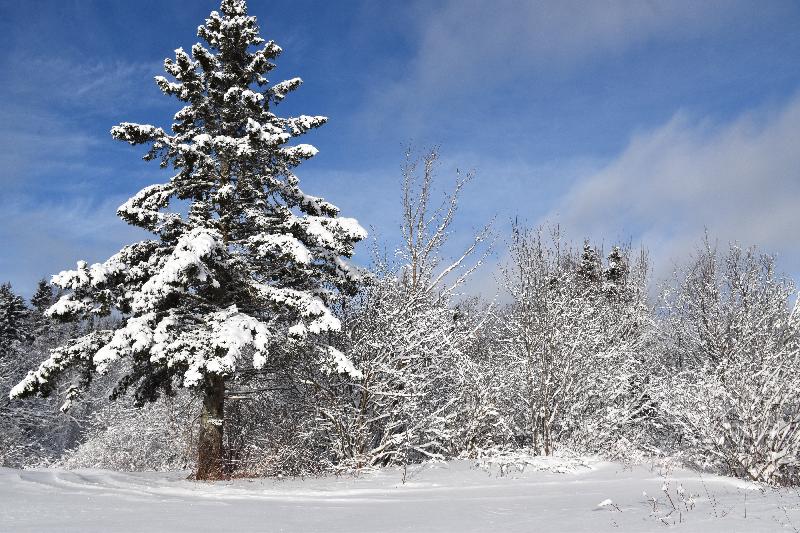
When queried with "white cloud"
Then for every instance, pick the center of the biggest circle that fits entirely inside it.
(465, 34)
(43, 122)
(42, 238)
(79, 83)
(34, 142)
(466, 47)
(54, 164)
(740, 180)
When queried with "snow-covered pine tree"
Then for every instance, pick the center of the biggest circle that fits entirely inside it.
(590, 268)
(616, 274)
(42, 299)
(14, 326)
(252, 266)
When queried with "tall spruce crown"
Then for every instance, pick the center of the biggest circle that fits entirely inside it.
(254, 263)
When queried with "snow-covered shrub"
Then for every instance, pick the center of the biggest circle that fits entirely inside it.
(275, 439)
(730, 380)
(156, 436)
(574, 341)
(32, 433)
(421, 394)
(480, 378)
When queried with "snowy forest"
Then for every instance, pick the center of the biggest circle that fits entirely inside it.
(242, 340)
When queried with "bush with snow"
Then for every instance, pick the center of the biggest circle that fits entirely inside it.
(730, 374)
(574, 343)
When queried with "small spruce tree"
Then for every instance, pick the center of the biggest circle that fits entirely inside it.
(42, 299)
(14, 325)
(616, 273)
(251, 268)
(590, 268)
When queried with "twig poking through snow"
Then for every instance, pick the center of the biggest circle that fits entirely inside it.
(609, 503)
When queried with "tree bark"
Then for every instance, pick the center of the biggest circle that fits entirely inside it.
(210, 451)
(210, 460)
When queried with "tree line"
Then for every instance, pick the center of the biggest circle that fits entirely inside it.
(575, 354)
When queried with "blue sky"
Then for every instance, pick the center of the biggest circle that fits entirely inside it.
(635, 121)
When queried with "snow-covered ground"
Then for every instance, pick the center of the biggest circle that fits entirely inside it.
(549, 495)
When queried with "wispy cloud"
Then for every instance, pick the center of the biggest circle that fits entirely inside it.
(59, 82)
(43, 124)
(521, 34)
(43, 238)
(472, 48)
(740, 180)
(56, 159)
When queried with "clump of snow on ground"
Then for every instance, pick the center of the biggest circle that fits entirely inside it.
(552, 494)
(508, 462)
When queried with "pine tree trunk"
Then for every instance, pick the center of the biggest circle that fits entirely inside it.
(210, 462)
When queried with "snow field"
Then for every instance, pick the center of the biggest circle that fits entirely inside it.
(549, 494)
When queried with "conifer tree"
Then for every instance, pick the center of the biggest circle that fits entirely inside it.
(13, 320)
(616, 273)
(249, 271)
(42, 299)
(590, 268)
(617, 266)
